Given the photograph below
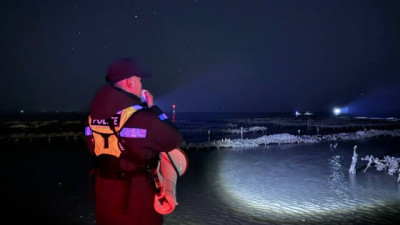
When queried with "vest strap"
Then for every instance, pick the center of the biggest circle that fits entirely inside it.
(105, 137)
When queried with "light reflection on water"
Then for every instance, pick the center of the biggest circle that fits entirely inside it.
(288, 184)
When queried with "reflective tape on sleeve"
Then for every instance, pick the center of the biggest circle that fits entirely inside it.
(137, 107)
(88, 131)
(163, 116)
(133, 132)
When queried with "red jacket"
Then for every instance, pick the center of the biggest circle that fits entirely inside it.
(122, 199)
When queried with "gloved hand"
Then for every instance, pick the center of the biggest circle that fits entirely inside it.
(165, 201)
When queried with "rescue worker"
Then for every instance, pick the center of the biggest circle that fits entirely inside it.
(126, 137)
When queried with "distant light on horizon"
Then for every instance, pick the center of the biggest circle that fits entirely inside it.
(173, 112)
(297, 113)
(343, 110)
(336, 111)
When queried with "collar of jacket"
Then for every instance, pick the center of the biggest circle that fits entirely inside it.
(144, 105)
(125, 92)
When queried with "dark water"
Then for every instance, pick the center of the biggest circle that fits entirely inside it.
(292, 184)
(47, 183)
(287, 184)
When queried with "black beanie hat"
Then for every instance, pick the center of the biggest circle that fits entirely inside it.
(124, 68)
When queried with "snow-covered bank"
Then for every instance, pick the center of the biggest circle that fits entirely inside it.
(286, 138)
(217, 131)
(230, 130)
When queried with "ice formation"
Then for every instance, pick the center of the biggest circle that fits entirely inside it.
(352, 169)
(388, 163)
(285, 138)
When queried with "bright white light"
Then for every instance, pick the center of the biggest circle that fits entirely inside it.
(287, 189)
(336, 111)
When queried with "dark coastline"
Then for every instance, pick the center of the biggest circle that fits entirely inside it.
(69, 127)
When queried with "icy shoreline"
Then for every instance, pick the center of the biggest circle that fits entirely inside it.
(200, 132)
(285, 138)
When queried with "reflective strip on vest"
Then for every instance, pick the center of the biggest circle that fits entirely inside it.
(133, 132)
(137, 107)
(88, 131)
(163, 116)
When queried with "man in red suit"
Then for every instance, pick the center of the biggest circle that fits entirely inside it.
(126, 135)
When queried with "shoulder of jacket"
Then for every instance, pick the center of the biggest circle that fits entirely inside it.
(143, 114)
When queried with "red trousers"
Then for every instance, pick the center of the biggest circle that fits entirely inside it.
(123, 202)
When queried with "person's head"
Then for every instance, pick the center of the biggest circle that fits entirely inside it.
(131, 84)
(125, 74)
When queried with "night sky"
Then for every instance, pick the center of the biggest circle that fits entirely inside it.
(204, 55)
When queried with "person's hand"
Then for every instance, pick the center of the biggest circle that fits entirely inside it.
(149, 97)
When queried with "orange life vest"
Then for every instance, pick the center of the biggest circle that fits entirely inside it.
(106, 132)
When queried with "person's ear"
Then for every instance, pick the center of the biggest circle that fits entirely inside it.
(129, 82)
